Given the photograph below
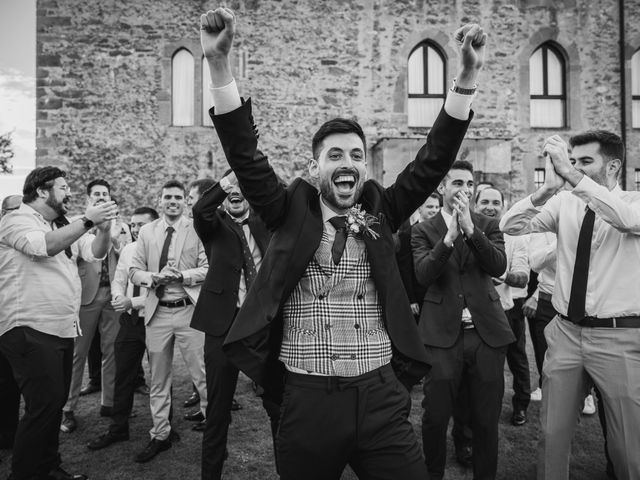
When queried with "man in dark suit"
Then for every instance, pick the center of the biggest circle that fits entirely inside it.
(462, 324)
(235, 240)
(327, 306)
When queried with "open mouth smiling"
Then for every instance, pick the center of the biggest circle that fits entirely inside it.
(344, 182)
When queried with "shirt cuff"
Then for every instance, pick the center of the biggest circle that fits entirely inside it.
(37, 243)
(226, 99)
(225, 184)
(458, 105)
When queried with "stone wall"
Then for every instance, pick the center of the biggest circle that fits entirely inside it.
(103, 84)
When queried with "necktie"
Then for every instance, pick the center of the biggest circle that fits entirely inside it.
(340, 240)
(578, 295)
(134, 312)
(60, 222)
(248, 265)
(164, 254)
(104, 272)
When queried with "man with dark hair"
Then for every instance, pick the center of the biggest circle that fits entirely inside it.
(128, 300)
(327, 319)
(96, 313)
(196, 189)
(40, 301)
(596, 331)
(170, 261)
(235, 240)
(462, 324)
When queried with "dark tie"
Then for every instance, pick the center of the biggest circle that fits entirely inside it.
(134, 312)
(164, 254)
(60, 222)
(340, 240)
(248, 265)
(576, 312)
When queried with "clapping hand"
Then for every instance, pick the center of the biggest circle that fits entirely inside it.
(121, 303)
(101, 214)
(461, 208)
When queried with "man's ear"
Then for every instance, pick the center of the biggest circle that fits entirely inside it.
(42, 192)
(614, 166)
(314, 168)
(441, 188)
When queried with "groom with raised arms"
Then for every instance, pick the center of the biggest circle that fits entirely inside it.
(326, 327)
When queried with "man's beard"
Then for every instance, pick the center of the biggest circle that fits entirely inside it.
(330, 196)
(58, 207)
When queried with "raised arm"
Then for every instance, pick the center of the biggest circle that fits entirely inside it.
(422, 176)
(234, 122)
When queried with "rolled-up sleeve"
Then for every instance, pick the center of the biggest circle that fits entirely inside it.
(26, 234)
(85, 251)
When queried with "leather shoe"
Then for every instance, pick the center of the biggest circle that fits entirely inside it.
(519, 418)
(59, 474)
(195, 416)
(235, 406)
(200, 426)
(107, 439)
(106, 411)
(194, 399)
(153, 448)
(464, 456)
(69, 422)
(89, 388)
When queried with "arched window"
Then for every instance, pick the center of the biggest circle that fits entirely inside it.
(182, 86)
(635, 90)
(547, 87)
(207, 98)
(425, 84)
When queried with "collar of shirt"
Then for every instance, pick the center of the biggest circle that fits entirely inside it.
(446, 217)
(327, 214)
(239, 219)
(24, 208)
(177, 225)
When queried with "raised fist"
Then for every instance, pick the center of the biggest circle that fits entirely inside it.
(217, 28)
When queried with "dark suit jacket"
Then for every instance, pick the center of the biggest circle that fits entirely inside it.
(295, 217)
(458, 277)
(216, 306)
(404, 256)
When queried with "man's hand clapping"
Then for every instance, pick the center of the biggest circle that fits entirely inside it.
(101, 214)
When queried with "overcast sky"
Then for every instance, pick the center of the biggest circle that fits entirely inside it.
(17, 84)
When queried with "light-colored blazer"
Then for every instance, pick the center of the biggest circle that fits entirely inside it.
(190, 256)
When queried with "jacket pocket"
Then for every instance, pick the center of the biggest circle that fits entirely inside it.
(433, 297)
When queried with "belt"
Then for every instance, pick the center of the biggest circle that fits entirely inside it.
(183, 302)
(613, 322)
(379, 375)
(544, 296)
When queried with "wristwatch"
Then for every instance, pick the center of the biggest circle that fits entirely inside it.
(463, 91)
(88, 224)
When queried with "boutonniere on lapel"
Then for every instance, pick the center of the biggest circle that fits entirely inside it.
(359, 222)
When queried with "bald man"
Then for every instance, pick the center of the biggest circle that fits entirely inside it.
(11, 202)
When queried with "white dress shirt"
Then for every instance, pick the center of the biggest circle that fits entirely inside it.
(37, 290)
(614, 267)
(542, 258)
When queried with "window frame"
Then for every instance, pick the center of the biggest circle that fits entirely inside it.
(425, 44)
(545, 47)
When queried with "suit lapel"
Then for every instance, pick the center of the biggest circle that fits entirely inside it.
(160, 233)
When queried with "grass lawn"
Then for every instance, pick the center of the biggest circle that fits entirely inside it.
(250, 448)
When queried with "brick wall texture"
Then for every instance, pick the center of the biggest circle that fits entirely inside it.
(103, 81)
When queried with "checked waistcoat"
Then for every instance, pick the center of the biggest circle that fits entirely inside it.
(333, 321)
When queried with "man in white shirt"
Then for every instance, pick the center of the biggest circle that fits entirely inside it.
(129, 347)
(597, 330)
(40, 301)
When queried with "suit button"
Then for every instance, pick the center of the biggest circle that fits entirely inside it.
(327, 327)
(353, 357)
(360, 297)
(334, 357)
(356, 326)
(459, 295)
(320, 297)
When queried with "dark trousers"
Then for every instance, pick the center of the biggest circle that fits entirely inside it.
(222, 378)
(94, 360)
(544, 314)
(129, 348)
(9, 404)
(461, 431)
(517, 358)
(329, 422)
(41, 366)
(481, 368)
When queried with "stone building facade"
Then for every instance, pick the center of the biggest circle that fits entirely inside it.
(104, 83)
